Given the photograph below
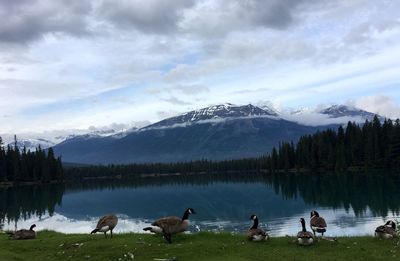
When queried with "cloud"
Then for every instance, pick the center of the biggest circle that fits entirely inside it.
(191, 89)
(26, 20)
(150, 16)
(175, 101)
(312, 118)
(366, 31)
(58, 57)
(179, 89)
(215, 19)
(167, 114)
(380, 104)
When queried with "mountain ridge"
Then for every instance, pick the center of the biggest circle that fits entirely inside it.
(213, 114)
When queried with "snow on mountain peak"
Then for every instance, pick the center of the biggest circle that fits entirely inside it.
(337, 110)
(214, 112)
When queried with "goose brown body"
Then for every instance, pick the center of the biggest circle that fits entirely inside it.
(304, 237)
(106, 223)
(317, 223)
(169, 226)
(255, 233)
(172, 225)
(386, 231)
(23, 234)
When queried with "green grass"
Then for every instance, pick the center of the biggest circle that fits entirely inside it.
(202, 246)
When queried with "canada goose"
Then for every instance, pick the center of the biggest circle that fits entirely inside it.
(386, 231)
(23, 233)
(317, 223)
(304, 238)
(106, 223)
(255, 233)
(171, 225)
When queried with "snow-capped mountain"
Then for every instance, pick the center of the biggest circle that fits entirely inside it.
(32, 144)
(31, 141)
(217, 132)
(214, 113)
(336, 111)
(334, 114)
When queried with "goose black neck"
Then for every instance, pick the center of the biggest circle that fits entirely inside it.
(303, 225)
(255, 224)
(185, 215)
(31, 228)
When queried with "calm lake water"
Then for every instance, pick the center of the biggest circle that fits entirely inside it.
(351, 204)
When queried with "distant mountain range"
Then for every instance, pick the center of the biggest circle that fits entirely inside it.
(217, 132)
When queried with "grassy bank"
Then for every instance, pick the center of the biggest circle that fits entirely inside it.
(203, 246)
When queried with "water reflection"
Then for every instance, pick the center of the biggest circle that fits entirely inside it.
(23, 202)
(352, 204)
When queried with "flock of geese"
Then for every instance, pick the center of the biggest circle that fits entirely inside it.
(168, 226)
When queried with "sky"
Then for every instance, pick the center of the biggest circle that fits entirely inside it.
(87, 64)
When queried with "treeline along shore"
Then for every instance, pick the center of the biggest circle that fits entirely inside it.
(368, 147)
(18, 165)
(374, 145)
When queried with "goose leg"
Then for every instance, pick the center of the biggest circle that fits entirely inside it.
(105, 235)
(169, 238)
(111, 233)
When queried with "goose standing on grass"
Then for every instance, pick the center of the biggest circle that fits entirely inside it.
(386, 231)
(106, 223)
(304, 237)
(169, 226)
(23, 233)
(255, 233)
(317, 223)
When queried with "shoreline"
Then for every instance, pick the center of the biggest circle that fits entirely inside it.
(127, 177)
(50, 245)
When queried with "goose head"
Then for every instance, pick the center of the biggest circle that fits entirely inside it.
(253, 217)
(391, 224)
(190, 211)
(314, 214)
(32, 227)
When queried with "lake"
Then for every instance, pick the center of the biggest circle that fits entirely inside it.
(352, 204)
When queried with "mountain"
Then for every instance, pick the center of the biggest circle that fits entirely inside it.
(217, 132)
(32, 144)
(213, 114)
(31, 141)
(336, 111)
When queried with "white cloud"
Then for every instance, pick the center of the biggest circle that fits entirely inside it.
(100, 62)
(381, 104)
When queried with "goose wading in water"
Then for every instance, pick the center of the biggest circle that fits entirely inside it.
(304, 237)
(168, 226)
(255, 233)
(23, 234)
(106, 223)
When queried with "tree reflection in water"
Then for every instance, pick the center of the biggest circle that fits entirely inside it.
(379, 193)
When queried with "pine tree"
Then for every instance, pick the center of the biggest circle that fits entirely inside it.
(3, 168)
(340, 151)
